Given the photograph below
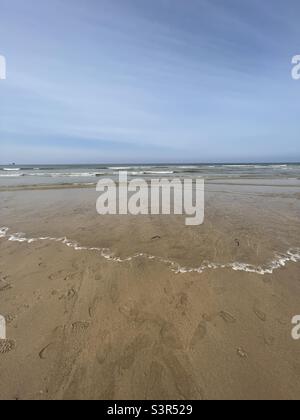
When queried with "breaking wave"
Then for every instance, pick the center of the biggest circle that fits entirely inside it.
(279, 261)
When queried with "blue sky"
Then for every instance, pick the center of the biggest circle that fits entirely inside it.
(149, 81)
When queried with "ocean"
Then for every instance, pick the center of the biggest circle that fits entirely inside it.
(38, 175)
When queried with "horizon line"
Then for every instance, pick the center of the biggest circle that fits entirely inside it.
(158, 164)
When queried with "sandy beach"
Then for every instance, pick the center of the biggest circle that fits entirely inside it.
(149, 202)
(124, 307)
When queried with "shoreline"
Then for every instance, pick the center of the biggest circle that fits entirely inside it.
(286, 183)
(143, 307)
(268, 268)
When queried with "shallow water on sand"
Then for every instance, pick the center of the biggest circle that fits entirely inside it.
(124, 307)
(252, 227)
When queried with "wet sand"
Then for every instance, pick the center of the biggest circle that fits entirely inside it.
(133, 316)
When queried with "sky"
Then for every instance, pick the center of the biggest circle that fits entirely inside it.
(128, 81)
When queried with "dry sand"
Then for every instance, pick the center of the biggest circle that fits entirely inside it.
(81, 326)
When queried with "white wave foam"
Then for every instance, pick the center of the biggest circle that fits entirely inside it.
(58, 174)
(191, 167)
(279, 166)
(280, 261)
(83, 184)
(11, 175)
(3, 232)
(136, 173)
(72, 175)
(119, 168)
(159, 172)
(11, 169)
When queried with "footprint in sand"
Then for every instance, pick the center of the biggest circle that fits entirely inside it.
(9, 318)
(42, 265)
(199, 334)
(281, 321)
(6, 346)
(227, 317)
(80, 326)
(131, 352)
(182, 304)
(105, 347)
(4, 286)
(114, 292)
(93, 307)
(184, 381)
(260, 315)
(207, 317)
(241, 353)
(71, 294)
(43, 354)
(169, 336)
(58, 275)
(155, 388)
(269, 340)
